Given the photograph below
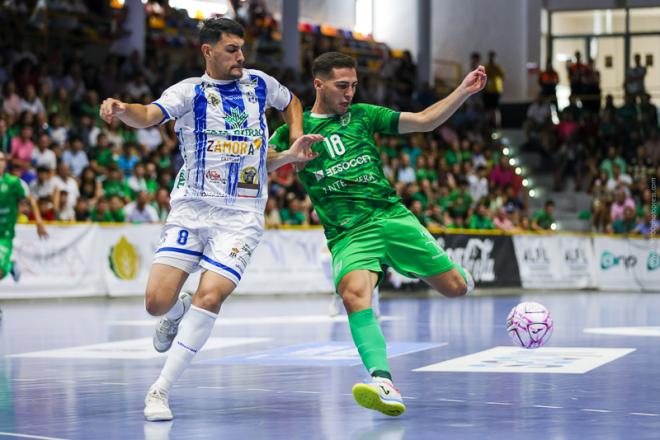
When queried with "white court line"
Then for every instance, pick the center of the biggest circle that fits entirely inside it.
(306, 392)
(14, 434)
(499, 403)
(644, 414)
(596, 410)
(548, 406)
(114, 383)
(211, 388)
(452, 400)
(25, 380)
(258, 320)
(260, 389)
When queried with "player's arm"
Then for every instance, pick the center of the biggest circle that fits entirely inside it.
(37, 217)
(133, 115)
(432, 117)
(300, 152)
(293, 116)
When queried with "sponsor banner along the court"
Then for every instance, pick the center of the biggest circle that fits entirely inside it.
(547, 262)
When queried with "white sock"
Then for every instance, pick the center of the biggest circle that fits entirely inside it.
(195, 330)
(176, 312)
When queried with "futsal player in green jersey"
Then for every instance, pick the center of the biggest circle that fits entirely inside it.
(12, 192)
(366, 225)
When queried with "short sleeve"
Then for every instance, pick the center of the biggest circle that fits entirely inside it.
(383, 120)
(21, 189)
(277, 95)
(175, 100)
(279, 141)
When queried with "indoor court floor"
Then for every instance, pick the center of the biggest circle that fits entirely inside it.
(280, 368)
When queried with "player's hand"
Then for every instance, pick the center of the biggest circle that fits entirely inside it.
(301, 150)
(111, 107)
(41, 231)
(475, 81)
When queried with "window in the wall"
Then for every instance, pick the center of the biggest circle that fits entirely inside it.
(596, 22)
(364, 16)
(645, 20)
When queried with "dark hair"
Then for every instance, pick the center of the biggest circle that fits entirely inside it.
(323, 64)
(549, 203)
(213, 28)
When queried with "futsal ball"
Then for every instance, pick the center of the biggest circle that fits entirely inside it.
(529, 325)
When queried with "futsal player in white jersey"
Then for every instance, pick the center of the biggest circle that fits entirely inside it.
(216, 220)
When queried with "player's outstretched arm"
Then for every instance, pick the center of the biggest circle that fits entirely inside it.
(432, 117)
(133, 115)
(37, 217)
(300, 152)
(293, 117)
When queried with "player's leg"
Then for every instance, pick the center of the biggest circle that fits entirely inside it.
(414, 252)
(357, 264)
(229, 244)
(5, 257)
(195, 330)
(356, 289)
(178, 256)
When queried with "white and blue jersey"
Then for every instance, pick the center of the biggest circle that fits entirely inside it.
(223, 137)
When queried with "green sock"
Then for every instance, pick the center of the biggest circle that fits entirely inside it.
(370, 342)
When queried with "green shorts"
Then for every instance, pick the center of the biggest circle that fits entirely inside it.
(396, 239)
(6, 246)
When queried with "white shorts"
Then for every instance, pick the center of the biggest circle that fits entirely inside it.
(222, 240)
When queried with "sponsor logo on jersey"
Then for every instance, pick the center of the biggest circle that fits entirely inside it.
(248, 185)
(236, 118)
(345, 119)
(212, 98)
(214, 176)
(248, 177)
(347, 165)
(181, 179)
(240, 148)
(243, 132)
(251, 97)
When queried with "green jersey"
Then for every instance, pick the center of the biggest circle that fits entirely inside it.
(11, 193)
(346, 182)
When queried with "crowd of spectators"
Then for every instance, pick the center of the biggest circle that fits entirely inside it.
(612, 152)
(83, 169)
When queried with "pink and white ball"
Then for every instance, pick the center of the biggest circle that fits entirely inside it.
(529, 325)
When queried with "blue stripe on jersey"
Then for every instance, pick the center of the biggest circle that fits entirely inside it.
(199, 107)
(261, 92)
(232, 98)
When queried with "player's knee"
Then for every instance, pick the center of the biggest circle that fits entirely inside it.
(454, 286)
(151, 303)
(208, 300)
(354, 296)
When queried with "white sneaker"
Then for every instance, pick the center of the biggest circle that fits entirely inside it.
(379, 395)
(15, 271)
(166, 329)
(335, 305)
(156, 406)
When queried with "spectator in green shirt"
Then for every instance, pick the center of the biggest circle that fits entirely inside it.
(481, 218)
(418, 211)
(461, 200)
(293, 215)
(627, 224)
(612, 158)
(543, 219)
